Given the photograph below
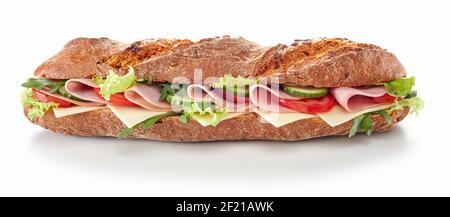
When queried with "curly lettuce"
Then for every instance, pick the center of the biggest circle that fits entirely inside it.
(214, 114)
(204, 109)
(35, 108)
(115, 83)
(176, 95)
(415, 103)
(400, 87)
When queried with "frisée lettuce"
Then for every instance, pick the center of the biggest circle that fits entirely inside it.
(115, 83)
(35, 108)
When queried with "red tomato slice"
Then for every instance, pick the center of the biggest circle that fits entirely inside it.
(386, 98)
(115, 99)
(310, 105)
(230, 96)
(246, 99)
(42, 97)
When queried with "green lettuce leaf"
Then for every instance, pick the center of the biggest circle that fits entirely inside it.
(230, 81)
(177, 96)
(146, 124)
(355, 126)
(411, 94)
(35, 108)
(216, 114)
(184, 118)
(168, 90)
(56, 87)
(190, 108)
(364, 122)
(148, 80)
(400, 87)
(386, 116)
(40, 83)
(98, 79)
(115, 83)
(415, 103)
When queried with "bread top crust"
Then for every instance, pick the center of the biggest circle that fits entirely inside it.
(325, 62)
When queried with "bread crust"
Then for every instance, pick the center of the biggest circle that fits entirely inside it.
(326, 62)
(105, 123)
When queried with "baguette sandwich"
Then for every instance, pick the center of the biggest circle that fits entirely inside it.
(219, 88)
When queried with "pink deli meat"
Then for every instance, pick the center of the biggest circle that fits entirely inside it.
(267, 98)
(147, 96)
(83, 88)
(355, 99)
(199, 92)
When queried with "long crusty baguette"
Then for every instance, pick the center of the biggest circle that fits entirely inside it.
(319, 63)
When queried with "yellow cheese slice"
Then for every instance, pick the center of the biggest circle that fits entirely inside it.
(338, 115)
(281, 119)
(62, 112)
(205, 120)
(131, 116)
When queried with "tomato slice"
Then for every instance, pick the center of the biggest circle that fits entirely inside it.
(246, 99)
(386, 98)
(42, 97)
(235, 99)
(310, 105)
(115, 99)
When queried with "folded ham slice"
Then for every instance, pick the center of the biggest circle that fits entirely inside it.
(147, 96)
(355, 99)
(75, 102)
(199, 92)
(83, 88)
(267, 98)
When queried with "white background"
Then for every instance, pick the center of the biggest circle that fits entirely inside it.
(413, 159)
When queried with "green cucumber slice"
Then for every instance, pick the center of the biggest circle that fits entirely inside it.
(306, 91)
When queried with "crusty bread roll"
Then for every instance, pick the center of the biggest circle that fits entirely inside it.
(320, 63)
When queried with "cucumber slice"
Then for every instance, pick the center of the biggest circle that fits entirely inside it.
(237, 91)
(306, 92)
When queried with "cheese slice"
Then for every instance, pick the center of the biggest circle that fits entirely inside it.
(205, 120)
(281, 119)
(338, 115)
(62, 112)
(131, 116)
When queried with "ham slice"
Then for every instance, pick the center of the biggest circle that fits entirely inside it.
(147, 96)
(267, 99)
(83, 89)
(199, 92)
(355, 99)
(75, 102)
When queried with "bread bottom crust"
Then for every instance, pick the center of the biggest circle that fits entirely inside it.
(246, 127)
